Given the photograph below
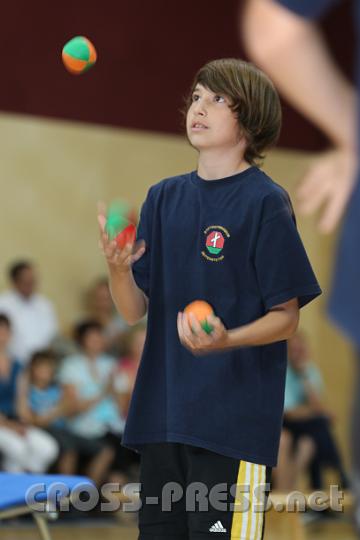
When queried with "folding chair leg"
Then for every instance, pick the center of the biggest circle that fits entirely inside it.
(43, 526)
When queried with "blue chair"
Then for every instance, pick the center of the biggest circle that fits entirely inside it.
(40, 495)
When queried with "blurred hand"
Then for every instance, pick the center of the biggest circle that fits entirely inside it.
(300, 367)
(26, 416)
(328, 183)
(122, 259)
(109, 387)
(18, 427)
(194, 338)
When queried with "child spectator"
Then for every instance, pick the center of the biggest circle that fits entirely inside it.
(45, 404)
(22, 447)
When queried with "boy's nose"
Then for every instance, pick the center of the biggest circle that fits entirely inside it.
(200, 109)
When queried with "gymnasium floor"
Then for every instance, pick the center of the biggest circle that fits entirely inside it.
(340, 530)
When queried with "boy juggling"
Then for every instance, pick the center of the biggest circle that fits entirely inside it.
(207, 408)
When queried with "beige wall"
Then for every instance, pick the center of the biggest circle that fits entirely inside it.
(52, 175)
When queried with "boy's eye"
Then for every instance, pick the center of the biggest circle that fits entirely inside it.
(220, 99)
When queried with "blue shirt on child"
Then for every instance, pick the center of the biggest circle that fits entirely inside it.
(42, 400)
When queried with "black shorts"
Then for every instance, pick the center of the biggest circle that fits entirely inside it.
(189, 493)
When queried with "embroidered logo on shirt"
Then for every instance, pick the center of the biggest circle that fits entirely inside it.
(215, 236)
(217, 527)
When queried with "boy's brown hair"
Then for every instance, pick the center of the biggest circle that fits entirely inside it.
(253, 99)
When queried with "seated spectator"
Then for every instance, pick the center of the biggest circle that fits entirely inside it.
(33, 320)
(101, 308)
(308, 440)
(88, 377)
(22, 447)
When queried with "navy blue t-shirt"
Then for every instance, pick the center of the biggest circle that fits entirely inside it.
(344, 302)
(309, 8)
(232, 242)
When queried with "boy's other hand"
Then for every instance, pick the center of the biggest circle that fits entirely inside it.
(121, 259)
(194, 338)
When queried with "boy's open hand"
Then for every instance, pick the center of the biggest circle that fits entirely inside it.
(197, 340)
(122, 259)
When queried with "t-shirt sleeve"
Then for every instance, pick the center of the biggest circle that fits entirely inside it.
(311, 9)
(141, 268)
(282, 266)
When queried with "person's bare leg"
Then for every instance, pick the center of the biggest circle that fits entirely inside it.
(67, 462)
(99, 465)
(305, 451)
(118, 477)
(284, 473)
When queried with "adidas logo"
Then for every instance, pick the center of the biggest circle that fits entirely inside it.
(217, 527)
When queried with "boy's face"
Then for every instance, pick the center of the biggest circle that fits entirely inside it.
(210, 122)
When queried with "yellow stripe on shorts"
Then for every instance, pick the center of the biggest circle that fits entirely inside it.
(248, 524)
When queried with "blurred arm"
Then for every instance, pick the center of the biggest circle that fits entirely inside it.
(313, 397)
(301, 412)
(22, 407)
(292, 51)
(76, 405)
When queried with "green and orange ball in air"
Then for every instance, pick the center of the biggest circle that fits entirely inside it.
(79, 55)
